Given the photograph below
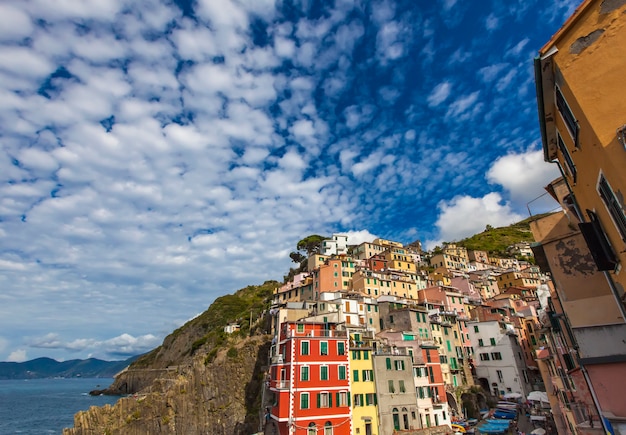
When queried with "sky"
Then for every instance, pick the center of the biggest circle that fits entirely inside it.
(158, 154)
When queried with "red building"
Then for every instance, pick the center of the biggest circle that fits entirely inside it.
(309, 378)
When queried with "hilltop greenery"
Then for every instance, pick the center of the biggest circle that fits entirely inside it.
(496, 240)
(245, 307)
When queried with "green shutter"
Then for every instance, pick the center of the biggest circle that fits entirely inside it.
(330, 400)
(337, 398)
(388, 361)
(366, 354)
(349, 401)
(355, 375)
(319, 400)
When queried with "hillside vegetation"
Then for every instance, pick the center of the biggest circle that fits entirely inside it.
(207, 330)
(496, 240)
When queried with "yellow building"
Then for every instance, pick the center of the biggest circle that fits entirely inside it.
(518, 279)
(581, 96)
(362, 386)
(398, 259)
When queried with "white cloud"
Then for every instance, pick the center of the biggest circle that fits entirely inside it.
(523, 175)
(358, 237)
(18, 356)
(439, 94)
(464, 215)
(464, 106)
(15, 24)
(489, 73)
(492, 22)
(517, 48)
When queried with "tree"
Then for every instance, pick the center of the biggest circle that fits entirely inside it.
(311, 244)
(297, 257)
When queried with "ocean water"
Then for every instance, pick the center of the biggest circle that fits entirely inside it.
(46, 406)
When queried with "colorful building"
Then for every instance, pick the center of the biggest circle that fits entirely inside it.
(580, 94)
(310, 379)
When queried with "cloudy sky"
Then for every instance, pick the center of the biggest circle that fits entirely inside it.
(157, 154)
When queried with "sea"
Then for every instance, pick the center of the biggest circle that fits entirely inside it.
(46, 406)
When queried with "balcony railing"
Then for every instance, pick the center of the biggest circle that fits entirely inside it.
(323, 333)
(281, 384)
(277, 359)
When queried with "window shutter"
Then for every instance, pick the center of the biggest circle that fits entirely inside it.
(330, 400)
(337, 398)
(388, 363)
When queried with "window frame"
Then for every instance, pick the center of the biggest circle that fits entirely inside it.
(324, 373)
(304, 400)
(567, 114)
(612, 205)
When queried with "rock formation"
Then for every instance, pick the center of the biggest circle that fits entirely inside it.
(220, 397)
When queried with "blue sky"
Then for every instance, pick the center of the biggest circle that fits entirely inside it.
(156, 155)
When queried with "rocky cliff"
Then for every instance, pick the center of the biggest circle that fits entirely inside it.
(199, 381)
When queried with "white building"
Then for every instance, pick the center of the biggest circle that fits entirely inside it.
(498, 358)
(336, 245)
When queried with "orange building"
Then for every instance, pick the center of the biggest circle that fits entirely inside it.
(579, 76)
(310, 379)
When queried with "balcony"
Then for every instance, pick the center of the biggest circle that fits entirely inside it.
(323, 333)
(277, 359)
(362, 344)
(280, 384)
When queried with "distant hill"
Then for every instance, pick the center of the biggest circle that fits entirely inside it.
(496, 240)
(49, 368)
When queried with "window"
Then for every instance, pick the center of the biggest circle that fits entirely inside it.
(568, 115)
(388, 363)
(304, 373)
(358, 400)
(368, 375)
(323, 348)
(496, 356)
(341, 348)
(492, 341)
(480, 342)
(342, 398)
(396, 419)
(324, 400)
(300, 327)
(613, 205)
(304, 400)
(328, 428)
(366, 354)
(499, 373)
(484, 357)
(370, 399)
(355, 375)
(323, 373)
(391, 387)
(356, 354)
(312, 430)
(399, 364)
(304, 348)
(342, 372)
(401, 386)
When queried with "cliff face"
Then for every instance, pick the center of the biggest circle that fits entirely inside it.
(199, 381)
(220, 396)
